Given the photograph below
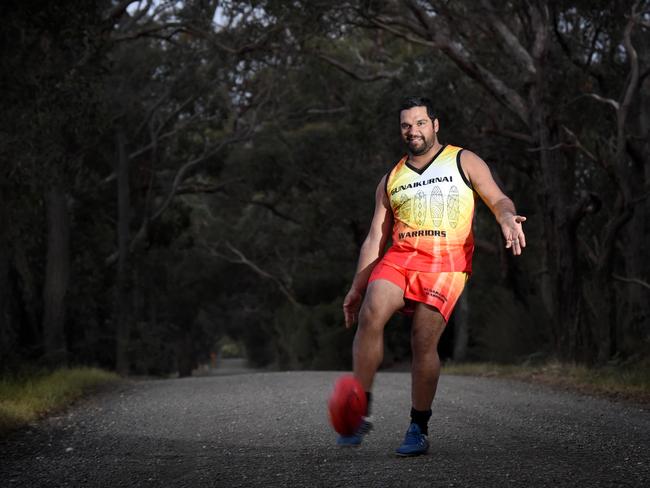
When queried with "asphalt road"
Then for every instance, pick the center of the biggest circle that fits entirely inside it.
(271, 429)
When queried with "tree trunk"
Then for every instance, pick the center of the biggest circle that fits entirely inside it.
(559, 286)
(26, 296)
(7, 332)
(57, 274)
(637, 259)
(185, 354)
(635, 296)
(122, 329)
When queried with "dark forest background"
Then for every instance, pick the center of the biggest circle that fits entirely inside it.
(181, 178)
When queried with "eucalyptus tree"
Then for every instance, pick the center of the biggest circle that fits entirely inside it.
(186, 88)
(543, 66)
(52, 62)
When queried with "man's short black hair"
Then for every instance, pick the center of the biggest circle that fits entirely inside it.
(410, 102)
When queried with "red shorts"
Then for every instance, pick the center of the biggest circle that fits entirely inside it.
(440, 290)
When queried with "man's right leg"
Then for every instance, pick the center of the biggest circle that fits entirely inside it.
(383, 298)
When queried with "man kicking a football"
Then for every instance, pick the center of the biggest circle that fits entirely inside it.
(426, 202)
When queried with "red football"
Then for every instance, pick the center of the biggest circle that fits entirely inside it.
(347, 405)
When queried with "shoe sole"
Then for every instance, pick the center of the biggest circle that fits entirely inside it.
(414, 454)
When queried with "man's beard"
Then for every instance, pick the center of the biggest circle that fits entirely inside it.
(421, 146)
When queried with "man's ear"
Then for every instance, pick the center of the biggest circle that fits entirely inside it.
(436, 125)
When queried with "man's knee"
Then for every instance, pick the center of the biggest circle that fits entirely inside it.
(423, 344)
(382, 300)
(371, 316)
(425, 334)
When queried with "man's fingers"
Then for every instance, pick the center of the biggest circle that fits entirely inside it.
(351, 305)
(515, 238)
(350, 314)
(350, 319)
(512, 244)
(516, 244)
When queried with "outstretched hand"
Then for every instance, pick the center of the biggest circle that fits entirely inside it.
(351, 305)
(513, 233)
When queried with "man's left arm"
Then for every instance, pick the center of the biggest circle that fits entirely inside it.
(478, 173)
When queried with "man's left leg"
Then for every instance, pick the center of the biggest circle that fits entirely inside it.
(426, 329)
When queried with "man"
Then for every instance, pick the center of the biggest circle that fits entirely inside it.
(426, 202)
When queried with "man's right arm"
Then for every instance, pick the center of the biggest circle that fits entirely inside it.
(371, 252)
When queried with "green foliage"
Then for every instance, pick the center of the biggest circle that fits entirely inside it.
(25, 397)
(312, 338)
(630, 381)
(230, 349)
(261, 241)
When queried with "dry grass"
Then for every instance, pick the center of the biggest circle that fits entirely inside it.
(629, 383)
(25, 398)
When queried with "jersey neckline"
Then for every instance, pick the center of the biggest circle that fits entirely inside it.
(426, 166)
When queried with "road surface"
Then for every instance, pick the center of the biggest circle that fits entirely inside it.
(271, 429)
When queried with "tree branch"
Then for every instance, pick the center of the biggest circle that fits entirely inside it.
(589, 252)
(608, 101)
(167, 134)
(588, 203)
(176, 27)
(539, 19)
(274, 210)
(402, 35)
(631, 87)
(196, 188)
(178, 178)
(183, 170)
(326, 111)
(242, 259)
(116, 12)
(577, 144)
(512, 43)
(518, 136)
(636, 281)
(463, 59)
(354, 74)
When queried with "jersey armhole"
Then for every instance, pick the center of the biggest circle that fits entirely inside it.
(386, 184)
(462, 173)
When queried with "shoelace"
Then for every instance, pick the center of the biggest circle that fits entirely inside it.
(365, 427)
(413, 436)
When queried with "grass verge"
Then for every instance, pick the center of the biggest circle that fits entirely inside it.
(629, 383)
(25, 398)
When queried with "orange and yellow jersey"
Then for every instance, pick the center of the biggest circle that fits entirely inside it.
(433, 209)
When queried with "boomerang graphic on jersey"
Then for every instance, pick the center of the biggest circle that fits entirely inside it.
(437, 206)
(420, 208)
(452, 207)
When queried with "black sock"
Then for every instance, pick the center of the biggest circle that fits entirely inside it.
(368, 400)
(421, 418)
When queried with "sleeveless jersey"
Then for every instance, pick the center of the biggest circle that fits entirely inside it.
(433, 209)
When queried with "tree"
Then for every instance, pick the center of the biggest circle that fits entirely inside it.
(511, 53)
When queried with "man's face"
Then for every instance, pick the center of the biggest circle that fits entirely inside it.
(418, 130)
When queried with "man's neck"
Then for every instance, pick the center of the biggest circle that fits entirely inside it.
(422, 160)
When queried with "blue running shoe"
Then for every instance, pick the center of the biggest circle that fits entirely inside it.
(415, 442)
(356, 438)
